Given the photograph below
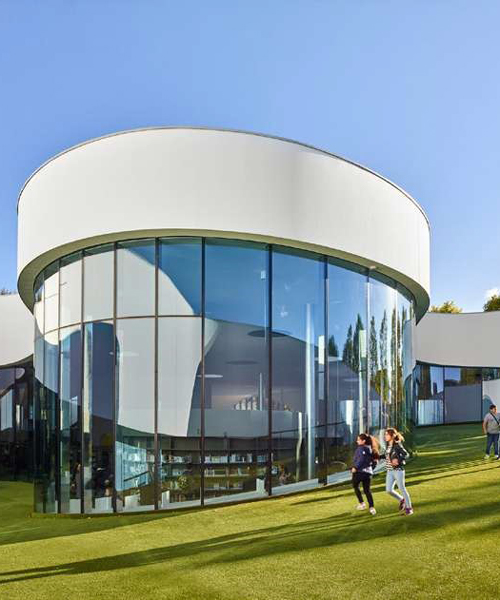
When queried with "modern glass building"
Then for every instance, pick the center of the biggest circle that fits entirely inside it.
(445, 393)
(217, 316)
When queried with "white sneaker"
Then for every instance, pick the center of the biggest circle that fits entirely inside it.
(361, 506)
(486, 456)
(373, 511)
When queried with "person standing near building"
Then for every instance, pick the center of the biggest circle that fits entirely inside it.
(491, 429)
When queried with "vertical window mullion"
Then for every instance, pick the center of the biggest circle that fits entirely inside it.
(81, 408)
(369, 404)
(270, 371)
(202, 399)
(58, 393)
(157, 458)
(326, 373)
(114, 411)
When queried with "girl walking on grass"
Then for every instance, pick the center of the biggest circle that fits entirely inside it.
(395, 461)
(365, 459)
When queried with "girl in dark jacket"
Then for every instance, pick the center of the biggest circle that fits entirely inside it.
(395, 461)
(364, 461)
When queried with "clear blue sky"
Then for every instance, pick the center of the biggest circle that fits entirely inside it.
(409, 89)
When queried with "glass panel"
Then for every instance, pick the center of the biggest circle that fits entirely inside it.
(430, 412)
(51, 297)
(97, 421)
(136, 278)
(135, 414)
(491, 389)
(179, 415)
(98, 283)
(298, 366)
(39, 417)
(70, 281)
(7, 393)
(462, 394)
(179, 276)
(236, 364)
(22, 449)
(48, 424)
(70, 434)
(405, 365)
(429, 390)
(346, 363)
(382, 349)
(38, 310)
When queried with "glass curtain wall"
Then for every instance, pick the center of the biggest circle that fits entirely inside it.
(178, 371)
(445, 395)
(7, 384)
(429, 393)
(491, 389)
(16, 422)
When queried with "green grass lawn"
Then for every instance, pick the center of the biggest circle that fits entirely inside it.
(313, 545)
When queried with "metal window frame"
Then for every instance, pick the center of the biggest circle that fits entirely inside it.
(269, 349)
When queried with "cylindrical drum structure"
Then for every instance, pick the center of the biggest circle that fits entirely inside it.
(218, 315)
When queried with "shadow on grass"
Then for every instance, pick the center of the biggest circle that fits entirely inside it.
(340, 529)
(17, 525)
(461, 444)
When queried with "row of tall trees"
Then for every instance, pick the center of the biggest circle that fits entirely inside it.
(384, 352)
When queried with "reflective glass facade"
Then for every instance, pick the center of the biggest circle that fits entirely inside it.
(16, 422)
(184, 371)
(446, 395)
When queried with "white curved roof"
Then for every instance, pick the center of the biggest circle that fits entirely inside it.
(16, 331)
(465, 339)
(182, 181)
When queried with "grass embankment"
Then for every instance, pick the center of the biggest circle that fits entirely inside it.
(304, 547)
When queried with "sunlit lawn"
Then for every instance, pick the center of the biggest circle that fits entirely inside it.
(307, 546)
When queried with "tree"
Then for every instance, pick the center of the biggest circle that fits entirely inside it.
(333, 349)
(373, 352)
(6, 292)
(347, 353)
(493, 303)
(384, 373)
(448, 306)
(355, 344)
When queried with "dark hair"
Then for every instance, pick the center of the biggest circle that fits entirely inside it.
(395, 435)
(371, 441)
(492, 406)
